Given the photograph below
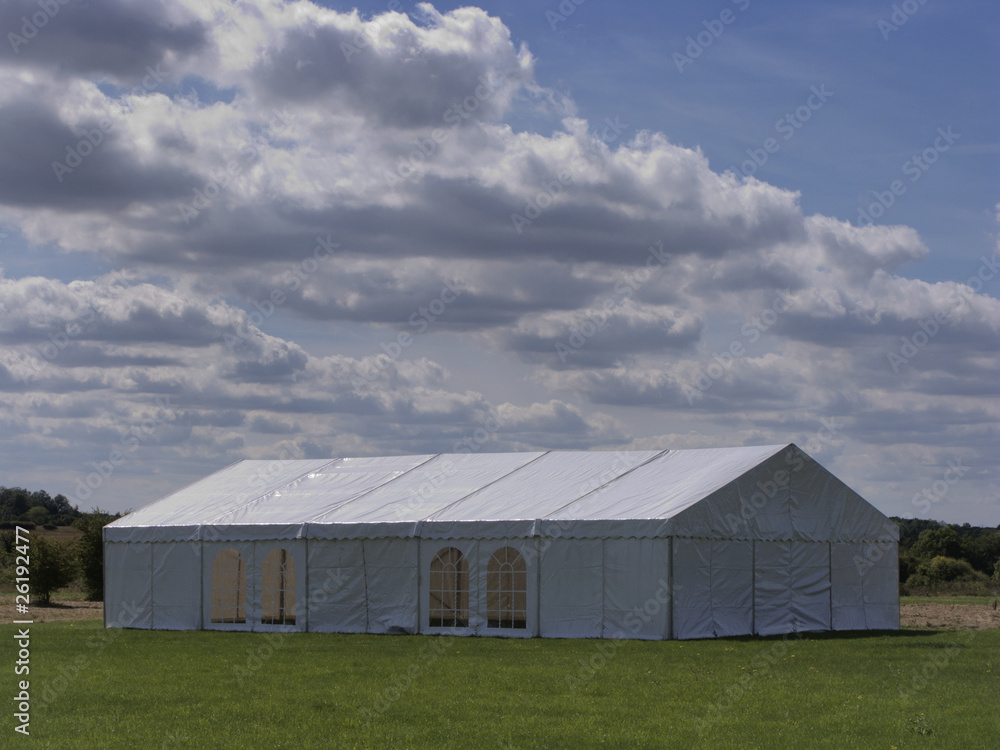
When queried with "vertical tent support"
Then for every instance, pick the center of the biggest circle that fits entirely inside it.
(670, 582)
(670, 587)
(829, 557)
(538, 586)
(201, 579)
(305, 582)
(420, 588)
(152, 594)
(364, 568)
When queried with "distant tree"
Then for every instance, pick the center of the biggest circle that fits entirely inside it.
(62, 509)
(910, 529)
(907, 566)
(52, 566)
(982, 549)
(38, 515)
(940, 542)
(14, 501)
(90, 551)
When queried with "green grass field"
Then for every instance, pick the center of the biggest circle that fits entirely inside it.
(99, 688)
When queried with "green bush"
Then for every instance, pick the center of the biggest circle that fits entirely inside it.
(52, 566)
(942, 569)
(90, 552)
(38, 515)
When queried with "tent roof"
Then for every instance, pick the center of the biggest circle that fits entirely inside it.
(442, 495)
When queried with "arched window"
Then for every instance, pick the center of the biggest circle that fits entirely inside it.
(506, 590)
(229, 587)
(277, 589)
(449, 590)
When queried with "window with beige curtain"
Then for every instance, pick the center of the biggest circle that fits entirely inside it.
(277, 589)
(229, 587)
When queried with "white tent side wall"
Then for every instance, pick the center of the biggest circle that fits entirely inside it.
(337, 586)
(176, 565)
(713, 588)
(572, 588)
(879, 570)
(128, 577)
(391, 570)
(636, 588)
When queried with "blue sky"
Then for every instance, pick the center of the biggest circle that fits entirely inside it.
(743, 139)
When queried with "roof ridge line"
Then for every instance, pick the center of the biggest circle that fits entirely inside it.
(179, 489)
(269, 492)
(488, 484)
(372, 489)
(615, 479)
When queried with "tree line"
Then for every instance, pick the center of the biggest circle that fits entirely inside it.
(933, 554)
(18, 505)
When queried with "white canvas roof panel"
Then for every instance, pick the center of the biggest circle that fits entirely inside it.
(658, 490)
(557, 493)
(188, 508)
(337, 483)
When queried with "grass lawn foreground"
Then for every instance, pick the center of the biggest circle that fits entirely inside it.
(92, 687)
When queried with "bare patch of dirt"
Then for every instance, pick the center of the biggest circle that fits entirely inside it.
(55, 612)
(949, 616)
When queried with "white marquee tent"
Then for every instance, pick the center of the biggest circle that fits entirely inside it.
(637, 544)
